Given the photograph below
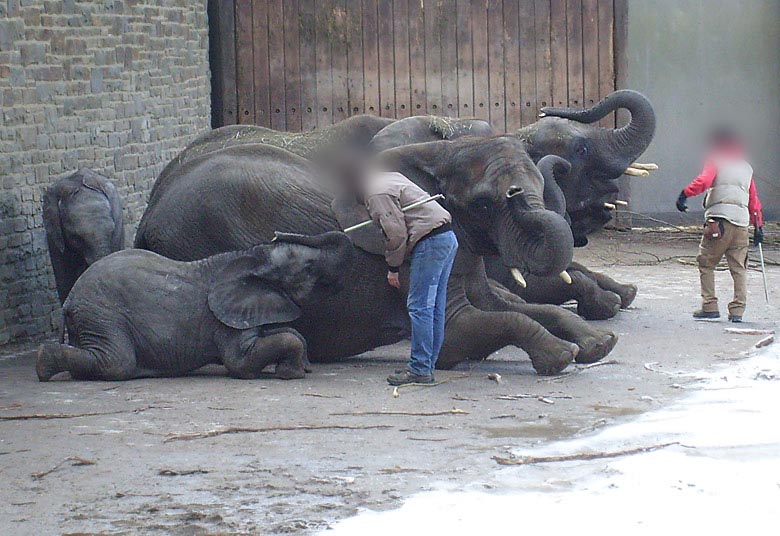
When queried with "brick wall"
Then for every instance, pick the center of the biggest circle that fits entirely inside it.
(119, 86)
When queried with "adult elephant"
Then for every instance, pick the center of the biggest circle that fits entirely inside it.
(235, 197)
(596, 157)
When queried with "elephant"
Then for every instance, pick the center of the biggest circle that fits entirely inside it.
(82, 215)
(596, 157)
(227, 198)
(137, 314)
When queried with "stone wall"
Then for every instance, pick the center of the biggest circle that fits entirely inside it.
(118, 86)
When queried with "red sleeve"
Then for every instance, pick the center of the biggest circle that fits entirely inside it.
(754, 206)
(703, 182)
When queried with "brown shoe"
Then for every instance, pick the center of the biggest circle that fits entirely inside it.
(405, 377)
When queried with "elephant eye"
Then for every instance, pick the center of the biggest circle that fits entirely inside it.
(481, 205)
(582, 150)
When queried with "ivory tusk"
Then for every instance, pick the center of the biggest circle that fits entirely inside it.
(518, 276)
(542, 114)
(609, 206)
(620, 203)
(648, 167)
(566, 277)
(635, 172)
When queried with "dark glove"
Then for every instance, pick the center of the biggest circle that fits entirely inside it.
(682, 202)
(758, 236)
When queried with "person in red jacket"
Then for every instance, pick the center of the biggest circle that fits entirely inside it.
(731, 204)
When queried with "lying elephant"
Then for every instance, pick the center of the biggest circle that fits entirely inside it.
(227, 198)
(596, 158)
(137, 314)
(82, 215)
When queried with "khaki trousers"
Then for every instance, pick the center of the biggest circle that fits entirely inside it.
(734, 245)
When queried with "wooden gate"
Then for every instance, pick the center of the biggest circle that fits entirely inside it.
(301, 64)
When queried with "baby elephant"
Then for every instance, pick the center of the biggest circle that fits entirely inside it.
(82, 214)
(136, 314)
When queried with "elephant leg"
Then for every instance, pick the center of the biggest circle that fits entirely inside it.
(626, 291)
(250, 352)
(474, 334)
(594, 344)
(114, 364)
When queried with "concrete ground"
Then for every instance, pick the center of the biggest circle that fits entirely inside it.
(109, 465)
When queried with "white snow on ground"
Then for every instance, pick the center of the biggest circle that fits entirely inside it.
(725, 480)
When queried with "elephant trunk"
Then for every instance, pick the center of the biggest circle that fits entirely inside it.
(535, 240)
(628, 141)
(551, 167)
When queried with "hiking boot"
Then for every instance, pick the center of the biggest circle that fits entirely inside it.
(737, 319)
(405, 377)
(702, 315)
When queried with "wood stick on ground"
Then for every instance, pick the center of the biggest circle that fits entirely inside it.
(318, 395)
(453, 411)
(12, 406)
(743, 331)
(181, 472)
(248, 430)
(78, 461)
(598, 364)
(766, 341)
(536, 397)
(45, 416)
(529, 460)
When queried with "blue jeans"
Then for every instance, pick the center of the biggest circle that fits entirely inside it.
(431, 265)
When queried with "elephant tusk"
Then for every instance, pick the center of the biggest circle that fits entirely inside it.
(542, 114)
(609, 206)
(648, 167)
(620, 203)
(635, 172)
(566, 277)
(518, 276)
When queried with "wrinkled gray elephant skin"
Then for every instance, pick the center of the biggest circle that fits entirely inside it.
(137, 314)
(82, 215)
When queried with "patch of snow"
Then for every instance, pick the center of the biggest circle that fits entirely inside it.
(723, 478)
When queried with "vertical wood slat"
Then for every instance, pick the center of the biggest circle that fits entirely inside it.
(319, 61)
(513, 66)
(370, 58)
(465, 64)
(292, 71)
(402, 80)
(386, 70)
(339, 61)
(449, 58)
(417, 57)
(308, 61)
(479, 29)
(496, 63)
(355, 56)
(259, 55)
(276, 64)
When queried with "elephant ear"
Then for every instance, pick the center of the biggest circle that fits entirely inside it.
(242, 298)
(93, 181)
(349, 212)
(51, 219)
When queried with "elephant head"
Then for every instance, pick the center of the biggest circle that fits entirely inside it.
(271, 283)
(82, 215)
(496, 197)
(598, 156)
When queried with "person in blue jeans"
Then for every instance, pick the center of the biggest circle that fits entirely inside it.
(423, 235)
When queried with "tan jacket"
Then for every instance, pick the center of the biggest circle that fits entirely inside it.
(385, 194)
(730, 193)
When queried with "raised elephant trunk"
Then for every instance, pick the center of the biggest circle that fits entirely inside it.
(536, 240)
(630, 140)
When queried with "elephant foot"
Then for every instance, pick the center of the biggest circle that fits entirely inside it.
(48, 360)
(597, 347)
(627, 297)
(553, 362)
(604, 307)
(285, 372)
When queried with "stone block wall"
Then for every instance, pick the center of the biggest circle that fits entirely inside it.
(118, 86)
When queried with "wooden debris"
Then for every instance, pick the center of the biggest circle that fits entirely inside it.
(397, 469)
(249, 430)
(536, 397)
(464, 399)
(453, 411)
(744, 331)
(766, 341)
(495, 376)
(181, 472)
(45, 416)
(505, 416)
(77, 461)
(396, 394)
(529, 460)
(12, 406)
(427, 439)
(598, 364)
(318, 395)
